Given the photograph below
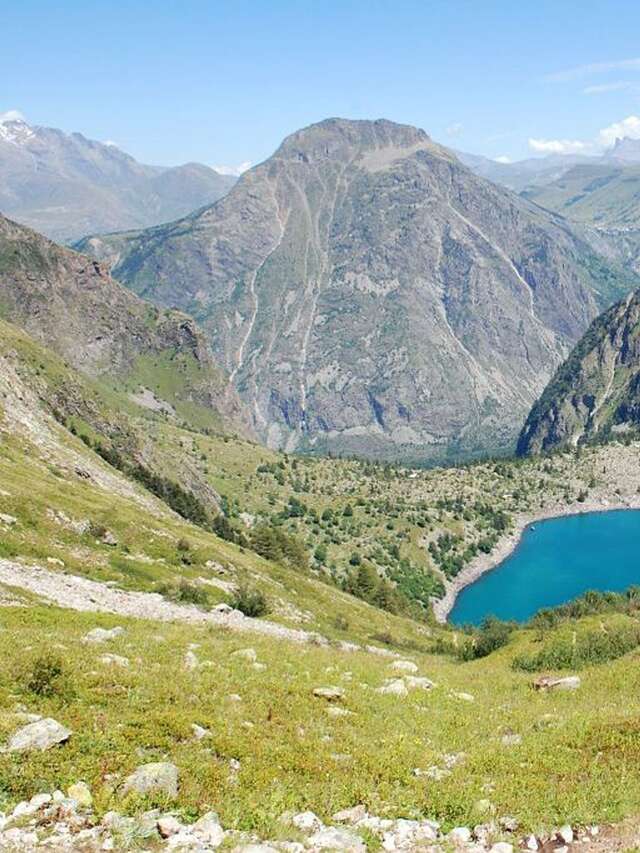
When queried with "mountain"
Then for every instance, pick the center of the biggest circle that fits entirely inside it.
(596, 392)
(523, 174)
(66, 186)
(368, 294)
(625, 151)
(134, 363)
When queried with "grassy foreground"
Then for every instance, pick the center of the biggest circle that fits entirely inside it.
(577, 759)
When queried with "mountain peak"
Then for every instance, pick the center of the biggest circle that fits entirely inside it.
(625, 150)
(16, 131)
(337, 138)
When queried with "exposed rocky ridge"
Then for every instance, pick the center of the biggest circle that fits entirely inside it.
(369, 294)
(66, 185)
(70, 304)
(596, 391)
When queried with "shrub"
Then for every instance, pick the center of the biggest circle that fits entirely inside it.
(592, 647)
(46, 676)
(250, 601)
(185, 593)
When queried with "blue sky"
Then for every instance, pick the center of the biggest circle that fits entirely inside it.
(224, 82)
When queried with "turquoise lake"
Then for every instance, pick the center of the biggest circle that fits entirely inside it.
(555, 561)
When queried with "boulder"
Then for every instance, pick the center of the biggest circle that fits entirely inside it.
(101, 635)
(418, 682)
(409, 834)
(331, 694)
(404, 666)
(40, 735)
(395, 687)
(550, 682)
(160, 776)
(246, 654)
(460, 836)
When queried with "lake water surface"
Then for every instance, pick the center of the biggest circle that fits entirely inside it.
(555, 561)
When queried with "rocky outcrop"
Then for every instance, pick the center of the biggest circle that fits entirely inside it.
(595, 394)
(367, 293)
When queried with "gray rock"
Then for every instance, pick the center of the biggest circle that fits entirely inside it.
(334, 838)
(102, 635)
(208, 830)
(40, 735)
(351, 816)
(307, 822)
(158, 776)
(331, 694)
(395, 687)
(549, 682)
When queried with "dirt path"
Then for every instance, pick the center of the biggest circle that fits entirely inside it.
(79, 593)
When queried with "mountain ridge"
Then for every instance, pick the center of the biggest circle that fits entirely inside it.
(466, 297)
(66, 185)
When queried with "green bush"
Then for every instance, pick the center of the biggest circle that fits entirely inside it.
(46, 676)
(250, 601)
(592, 647)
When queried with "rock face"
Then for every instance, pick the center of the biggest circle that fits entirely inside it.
(368, 293)
(66, 186)
(596, 391)
(70, 303)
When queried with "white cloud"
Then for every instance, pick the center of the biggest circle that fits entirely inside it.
(603, 88)
(629, 127)
(454, 129)
(111, 143)
(233, 170)
(594, 68)
(502, 159)
(559, 146)
(11, 115)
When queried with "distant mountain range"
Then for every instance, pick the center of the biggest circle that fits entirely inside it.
(369, 294)
(536, 172)
(66, 186)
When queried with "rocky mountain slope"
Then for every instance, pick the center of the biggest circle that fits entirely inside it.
(523, 174)
(66, 186)
(68, 302)
(596, 391)
(369, 294)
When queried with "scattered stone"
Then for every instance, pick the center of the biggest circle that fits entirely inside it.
(501, 847)
(395, 687)
(459, 836)
(511, 740)
(246, 654)
(352, 816)
(334, 838)
(331, 694)
(223, 608)
(409, 834)
(168, 826)
(158, 776)
(415, 681)
(191, 660)
(404, 666)
(307, 822)
(208, 830)
(565, 834)
(549, 682)
(464, 697)
(114, 660)
(531, 842)
(81, 793)
(101, 635)
(508, 823)
(199, 731)
(40, 735)
(109, 538)
(9, 520)
(336, 711)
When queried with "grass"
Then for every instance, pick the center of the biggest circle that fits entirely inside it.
(577, 760)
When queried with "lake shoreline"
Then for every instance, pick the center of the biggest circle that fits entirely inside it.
(505, 546)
